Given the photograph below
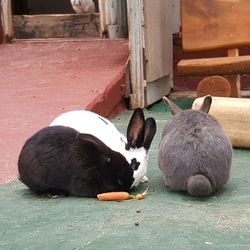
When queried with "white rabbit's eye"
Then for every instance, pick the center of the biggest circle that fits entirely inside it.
(134, 164)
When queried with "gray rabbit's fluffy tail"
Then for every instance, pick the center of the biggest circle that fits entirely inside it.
(199, 185)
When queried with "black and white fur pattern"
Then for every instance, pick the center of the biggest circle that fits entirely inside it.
(59, 160)
(134, 148)
(83, 6)
(195, 155)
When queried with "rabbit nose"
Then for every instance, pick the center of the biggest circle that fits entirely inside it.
(135, 164)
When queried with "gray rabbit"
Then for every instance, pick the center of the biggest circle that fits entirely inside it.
(195, 155)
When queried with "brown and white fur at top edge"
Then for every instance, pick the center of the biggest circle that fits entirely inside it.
(195, 155)
(83, 6)
(134, 148)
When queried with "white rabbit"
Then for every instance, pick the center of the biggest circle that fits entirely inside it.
(83, 6)
(134, 148)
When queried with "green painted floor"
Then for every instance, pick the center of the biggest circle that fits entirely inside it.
(163, 220)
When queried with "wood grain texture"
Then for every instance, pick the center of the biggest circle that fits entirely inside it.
(215, 86)
(6, 19)
(212, 24)
(56, 26)
(158, 39)
(214, 66)
(234, 80)
(234, 116)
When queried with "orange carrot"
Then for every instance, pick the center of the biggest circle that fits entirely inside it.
(113, 196)
(120, 196)
(139, 197)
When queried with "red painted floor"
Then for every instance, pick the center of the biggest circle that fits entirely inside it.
(39, 80)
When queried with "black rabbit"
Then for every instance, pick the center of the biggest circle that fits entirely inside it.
(195, 155)
(59, 160)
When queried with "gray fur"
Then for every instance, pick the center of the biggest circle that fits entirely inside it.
(195, 155)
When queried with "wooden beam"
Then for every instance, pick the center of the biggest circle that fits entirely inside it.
(56, 26)
(214, 66)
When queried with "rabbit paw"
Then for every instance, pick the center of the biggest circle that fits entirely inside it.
(144, 179)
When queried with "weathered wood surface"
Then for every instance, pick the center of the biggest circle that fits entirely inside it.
(214, 66)
(158, 39)
(6, 19)
(136, 43)
(211, 24)
(151, 50)
(234, 80)
(234, 116)
(56, 26)
(113, 18)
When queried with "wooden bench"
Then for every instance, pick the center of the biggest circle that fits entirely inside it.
(211, 25)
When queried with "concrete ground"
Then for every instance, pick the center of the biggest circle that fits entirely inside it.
(163, 220)
(39, 80)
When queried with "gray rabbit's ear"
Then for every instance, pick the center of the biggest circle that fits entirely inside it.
(173, 107)
(205, 107)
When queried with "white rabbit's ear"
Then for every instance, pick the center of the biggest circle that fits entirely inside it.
(150, 130)
(135, 130)
(173, 107)
(205, 107)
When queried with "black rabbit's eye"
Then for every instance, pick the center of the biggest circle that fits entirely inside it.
(120, 182)
(134, 164)
(107, 160)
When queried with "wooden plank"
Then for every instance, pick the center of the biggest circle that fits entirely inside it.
(136, 42)
(157, 89)
(214, 66)
(158, 39)
(113, 18)
(117, 19)
(212, 24)
(56, 26)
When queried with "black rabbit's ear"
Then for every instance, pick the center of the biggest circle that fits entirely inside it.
(173, 107)
(92, 141)
(150, 130)
(135, 130)
(205, 107)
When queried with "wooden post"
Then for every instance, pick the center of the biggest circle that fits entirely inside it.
(234, 79)
(6, 19)
(113, 16)
(1, 24)
(137, 57)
